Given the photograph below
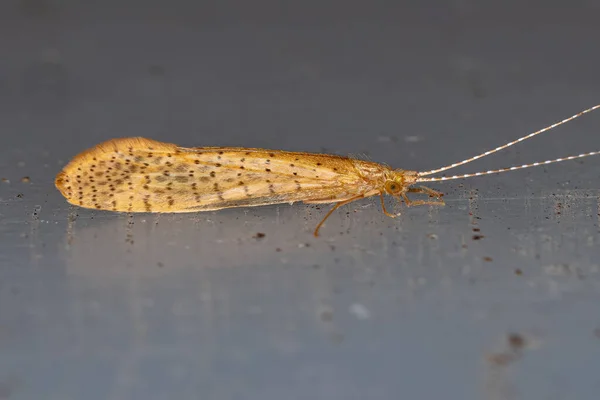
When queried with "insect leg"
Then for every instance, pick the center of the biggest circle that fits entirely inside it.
(426, 190)
(410, 202)
(384, 210)
(335, 207)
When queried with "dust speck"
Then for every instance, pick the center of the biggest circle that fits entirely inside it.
(412, 139)
(337, 338)
(326, 315)
(557, 270)
(360, 311)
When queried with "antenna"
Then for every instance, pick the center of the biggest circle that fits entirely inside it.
(497, 171)
(487, 153)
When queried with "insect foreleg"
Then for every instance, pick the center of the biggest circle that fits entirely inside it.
(410, 202)
(426, 190)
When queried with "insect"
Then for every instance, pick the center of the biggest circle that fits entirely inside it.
(143, 175)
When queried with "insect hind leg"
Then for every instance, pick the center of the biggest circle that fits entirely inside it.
(335, 207)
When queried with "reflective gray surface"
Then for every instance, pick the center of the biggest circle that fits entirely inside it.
(494, 296)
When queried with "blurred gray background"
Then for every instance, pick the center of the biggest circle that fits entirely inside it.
(494, 296)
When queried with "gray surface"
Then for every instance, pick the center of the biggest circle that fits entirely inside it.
(97, 306)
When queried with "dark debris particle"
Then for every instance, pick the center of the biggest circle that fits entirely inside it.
(518, 272)
(327, 316)
(516, 341)
(337, 338)
(478, 237)
(488, 259)
(25, 179)
(5, 180)
(476, 230)
(20, 195)
(259, 235)
(500, 359)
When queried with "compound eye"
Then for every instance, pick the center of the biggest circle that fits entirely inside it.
(392, 187)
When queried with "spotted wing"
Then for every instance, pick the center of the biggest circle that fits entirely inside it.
(143, 175)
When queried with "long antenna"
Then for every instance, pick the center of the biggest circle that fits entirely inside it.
(497, 171)
(487, 153)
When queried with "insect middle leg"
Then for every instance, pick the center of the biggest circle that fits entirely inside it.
(384, 210)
